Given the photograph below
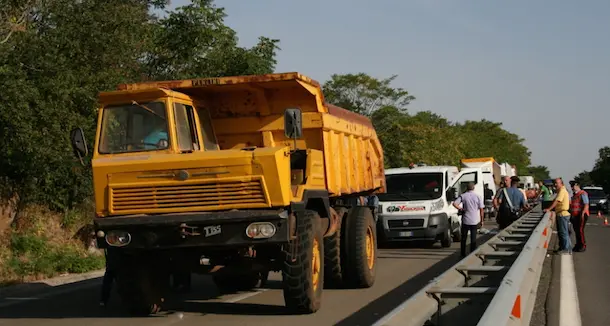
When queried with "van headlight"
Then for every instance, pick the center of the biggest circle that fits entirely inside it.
(437, 205)
(379, 209)
(602, 201)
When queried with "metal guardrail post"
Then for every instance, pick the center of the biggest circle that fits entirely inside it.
(514, 301)
(477, 289)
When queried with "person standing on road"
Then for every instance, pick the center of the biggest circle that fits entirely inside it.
(511, 202)
(579, 207)
(473, 206)
(544, 192)
(561, 205)
(503, 184)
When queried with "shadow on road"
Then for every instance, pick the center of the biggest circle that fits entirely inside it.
(375, 310)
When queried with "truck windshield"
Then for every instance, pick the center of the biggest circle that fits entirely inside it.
(134, 127)
(413, 186)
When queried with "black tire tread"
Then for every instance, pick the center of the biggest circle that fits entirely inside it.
(299, 295)
(358, 274)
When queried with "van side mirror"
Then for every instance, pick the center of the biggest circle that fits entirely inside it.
(293, 123)
(79, 145)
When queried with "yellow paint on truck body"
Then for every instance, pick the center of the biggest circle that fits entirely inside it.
(242, 157)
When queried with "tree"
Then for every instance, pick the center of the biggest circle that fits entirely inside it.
(539, 172)
(584, 178)
(424, 136)
(193, 41)
(364, 94)
(51, 72)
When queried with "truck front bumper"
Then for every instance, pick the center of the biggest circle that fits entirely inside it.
(437, 225)
(203, 229)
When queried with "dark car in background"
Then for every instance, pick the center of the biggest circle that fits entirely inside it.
(598, 199)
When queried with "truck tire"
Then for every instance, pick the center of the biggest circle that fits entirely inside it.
(303, 269)
(447, 239)
(333, 270)
(139, 286)
(361, 247)
(333, 273)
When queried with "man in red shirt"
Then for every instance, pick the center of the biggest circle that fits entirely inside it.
(579, 208)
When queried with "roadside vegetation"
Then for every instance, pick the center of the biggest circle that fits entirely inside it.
(56, 55)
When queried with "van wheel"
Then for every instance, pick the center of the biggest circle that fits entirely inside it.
(446, 241)
(360, 248)
(303, 270)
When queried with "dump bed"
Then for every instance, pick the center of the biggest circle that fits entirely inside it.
(248, 111)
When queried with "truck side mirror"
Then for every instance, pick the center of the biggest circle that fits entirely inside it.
(79, 145)
(293, 123)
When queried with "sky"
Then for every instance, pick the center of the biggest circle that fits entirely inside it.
(539, 67)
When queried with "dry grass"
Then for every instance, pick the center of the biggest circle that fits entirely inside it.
(42, 244)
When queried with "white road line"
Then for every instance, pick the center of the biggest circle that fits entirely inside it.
(569, 309)
(245, 296)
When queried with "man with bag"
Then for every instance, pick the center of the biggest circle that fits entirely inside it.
(511, 202)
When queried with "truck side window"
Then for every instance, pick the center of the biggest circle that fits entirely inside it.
(209, 138)
(185, 128)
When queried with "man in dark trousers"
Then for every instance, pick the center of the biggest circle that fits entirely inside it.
(579, 209)
(472, 206)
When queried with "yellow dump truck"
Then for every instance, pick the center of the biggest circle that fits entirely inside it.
(234, 177)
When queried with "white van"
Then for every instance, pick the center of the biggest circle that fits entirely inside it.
(417, 204)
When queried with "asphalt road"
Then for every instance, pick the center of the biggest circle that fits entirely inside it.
(592, 269)
(581, 290)
(402, 270)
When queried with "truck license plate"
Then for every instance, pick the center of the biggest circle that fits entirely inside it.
(406, 234)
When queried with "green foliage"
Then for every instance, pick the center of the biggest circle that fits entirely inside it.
(600, 174)
(52, 71)
(423, 137)
(539, 172)
(33, 255)
(364, 94)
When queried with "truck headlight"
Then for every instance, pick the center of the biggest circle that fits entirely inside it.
(437, 205)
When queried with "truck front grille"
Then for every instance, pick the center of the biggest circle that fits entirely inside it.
(406, 224)
(187, 196)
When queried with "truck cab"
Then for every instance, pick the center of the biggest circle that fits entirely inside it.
(418, 203)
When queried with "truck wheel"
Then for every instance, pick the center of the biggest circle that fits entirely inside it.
(446, 240)
(138, 285)
(361, 248)
(303, 270)
(333, 251)
(333, 273)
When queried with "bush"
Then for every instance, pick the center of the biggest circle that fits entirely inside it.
(43, 245)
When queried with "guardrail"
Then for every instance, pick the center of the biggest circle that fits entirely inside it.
(495, 285)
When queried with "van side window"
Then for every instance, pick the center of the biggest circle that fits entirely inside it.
(462, 183)
(209, 138)
(186, 128)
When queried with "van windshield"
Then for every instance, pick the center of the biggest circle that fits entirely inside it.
(413, 186)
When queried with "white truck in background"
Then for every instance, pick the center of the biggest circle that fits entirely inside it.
(418, 201)
(527, 181)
